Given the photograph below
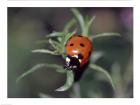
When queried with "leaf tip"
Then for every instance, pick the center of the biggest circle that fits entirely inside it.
(59, 89)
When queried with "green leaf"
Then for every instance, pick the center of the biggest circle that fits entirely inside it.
(91, 21)
(84, 23)
(100, 69)
(68, 36)
(69, 25)
(54, 34)
(64, 41)
(86, 28)
(87, 25)
(35, 68)
(69, 81)
(104, 35)
(79, 18)
(61, 70)
(45, 51)
(56, 45)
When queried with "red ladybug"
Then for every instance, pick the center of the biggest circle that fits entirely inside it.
(78, 51)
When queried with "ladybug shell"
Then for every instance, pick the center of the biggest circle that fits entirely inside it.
(79, 44)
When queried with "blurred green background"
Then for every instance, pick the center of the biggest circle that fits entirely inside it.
(28, 25)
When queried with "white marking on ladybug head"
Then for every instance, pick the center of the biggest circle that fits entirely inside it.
(67, 59)
(75, 51)
(76, 56)
(80, 60)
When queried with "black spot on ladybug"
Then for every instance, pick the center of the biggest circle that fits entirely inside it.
(80, 56)
(82, 45)
(71, 44)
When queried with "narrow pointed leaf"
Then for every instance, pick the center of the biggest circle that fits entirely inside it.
(69, 35)
(52, 44)
(69, 82)
(69, 25)
(56, 45)
(79, 18)
(87, 25)
(100, 69)
(104, 35)
(91, 21)
(54, 34)
(44, 51)
(61, 70)
(35, 68)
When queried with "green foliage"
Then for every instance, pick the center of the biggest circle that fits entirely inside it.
(37, 67)
(85, 23)
(104, 35)
(69, 82)
(102, 70)
(58, 41)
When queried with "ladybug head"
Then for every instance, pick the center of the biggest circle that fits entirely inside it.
(72, 62)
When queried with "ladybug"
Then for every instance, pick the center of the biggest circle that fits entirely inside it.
(78, 51)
